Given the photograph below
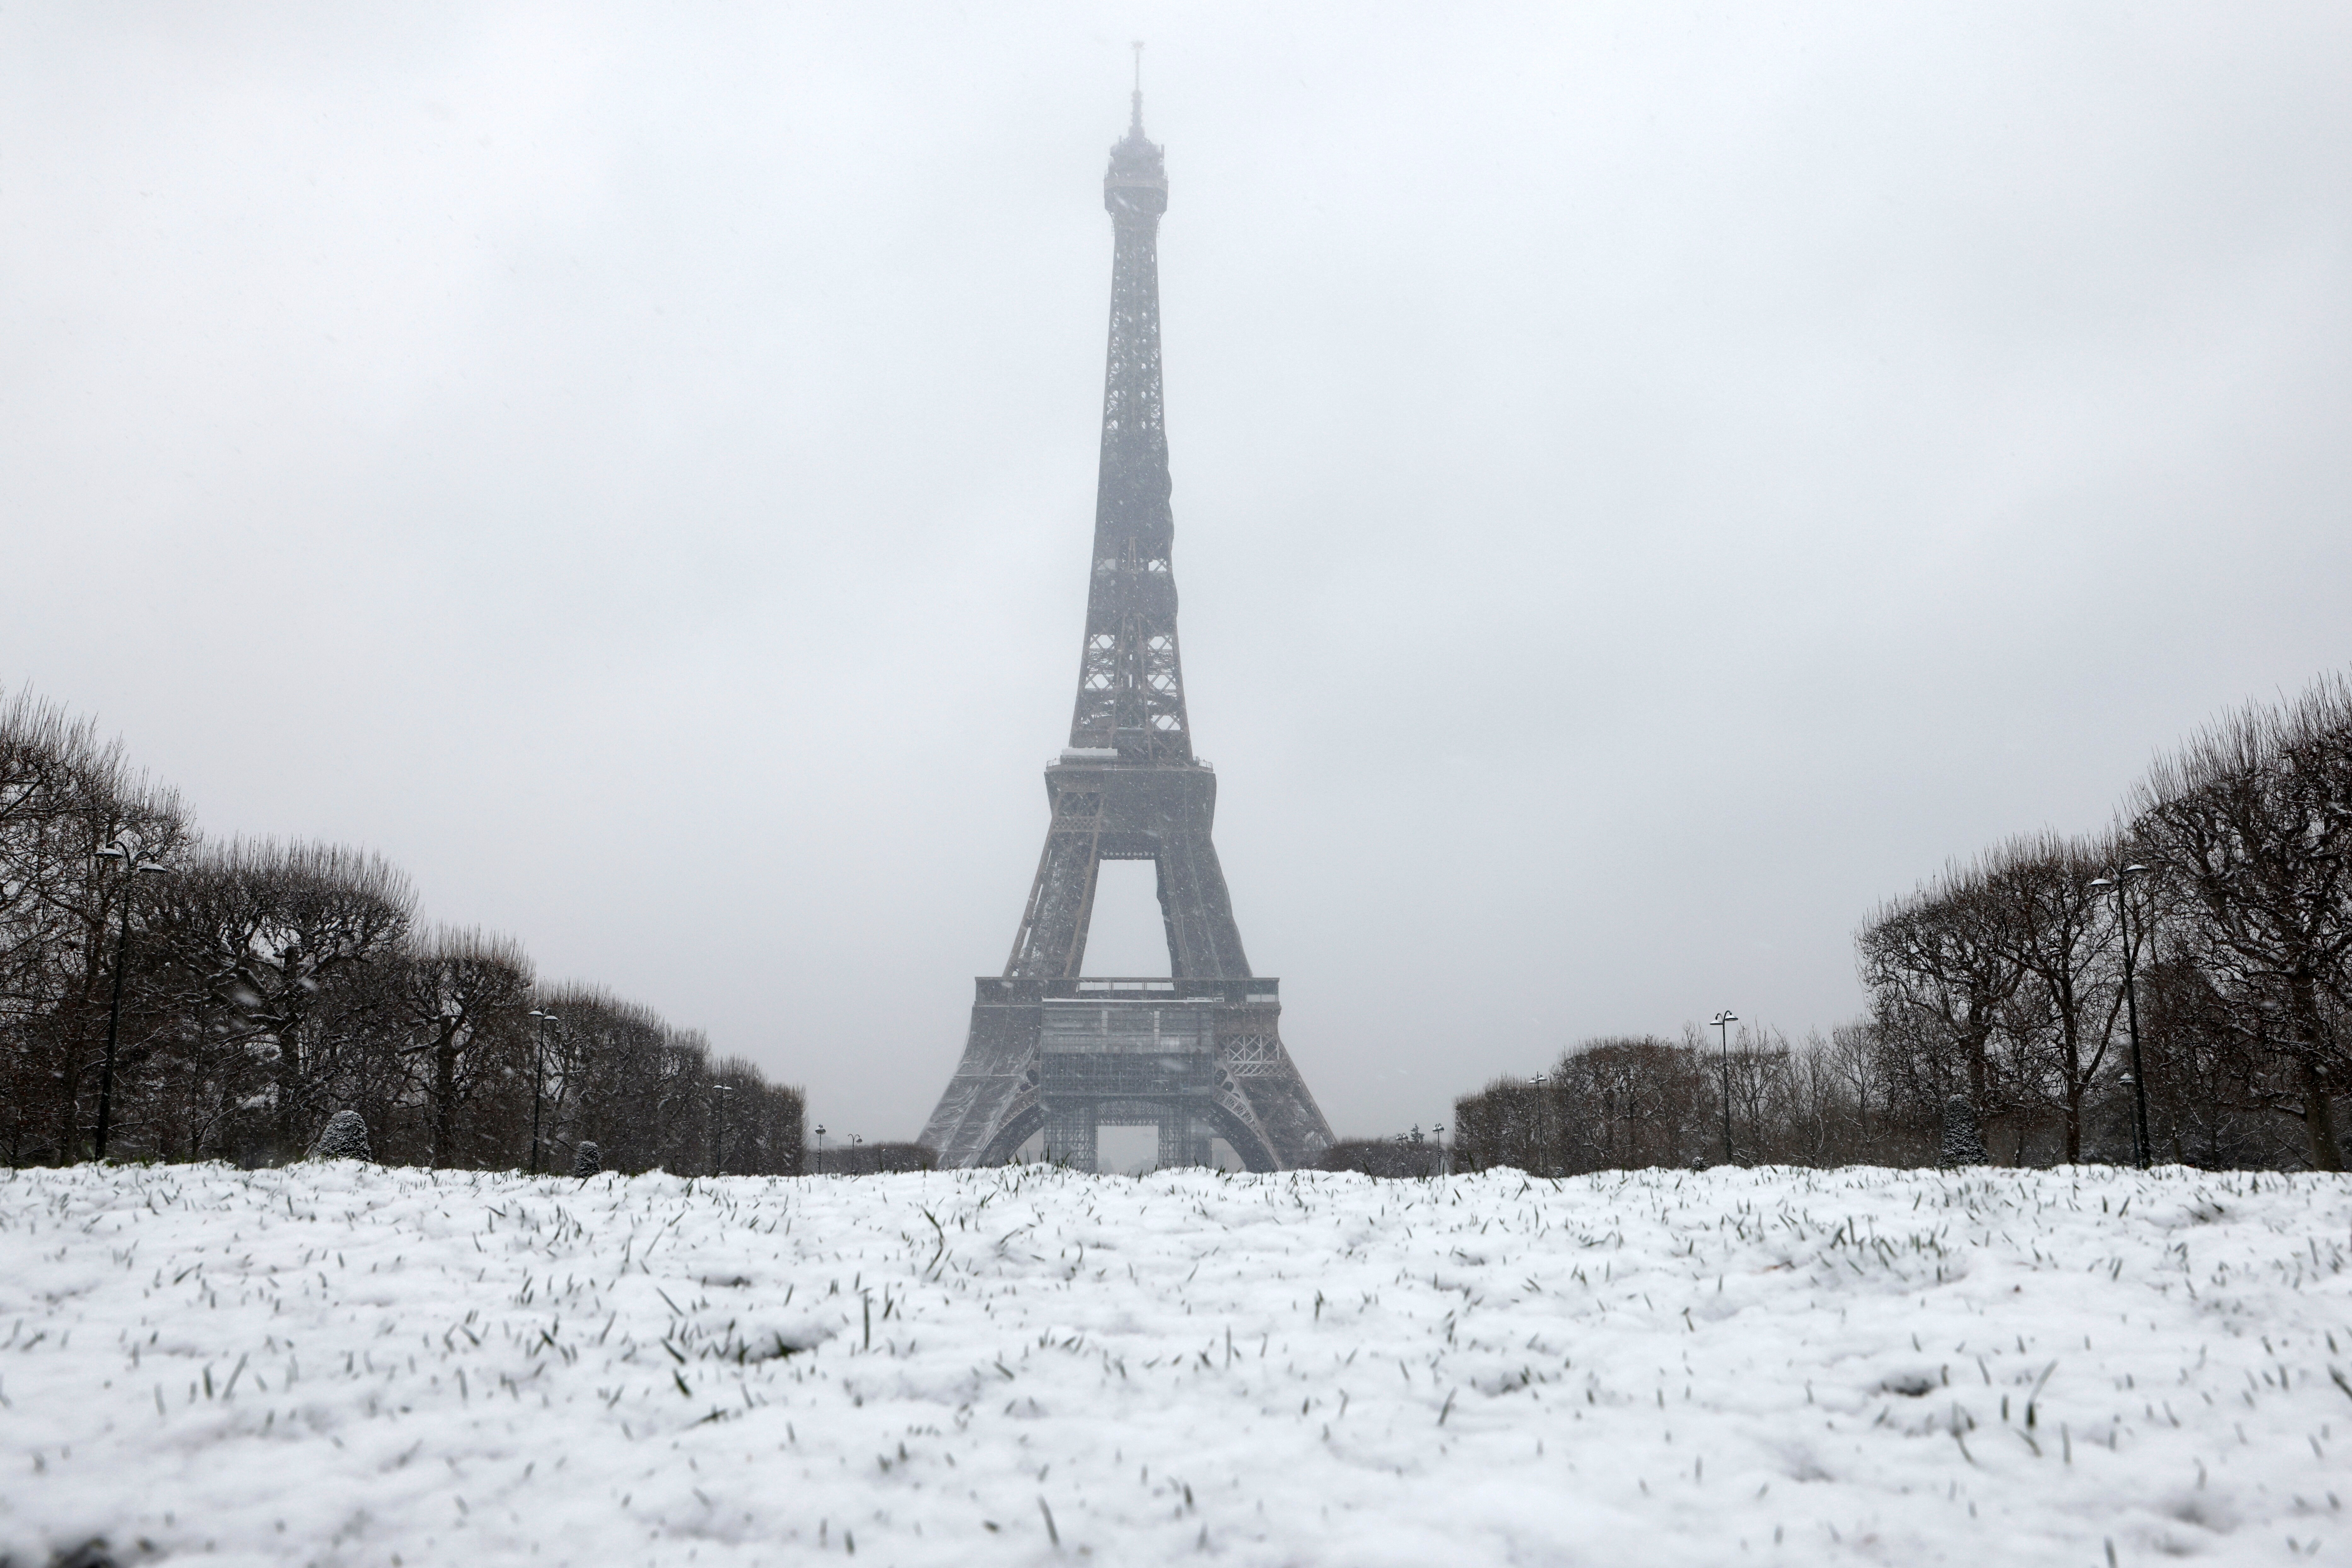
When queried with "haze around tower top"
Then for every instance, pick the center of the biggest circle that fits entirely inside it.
(1648, 486)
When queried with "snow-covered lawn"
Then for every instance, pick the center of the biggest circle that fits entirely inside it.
(335, 1364)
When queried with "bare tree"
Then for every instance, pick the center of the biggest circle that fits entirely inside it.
(1939, 967)
(2058, 932)
(273, 943)
(600, 1059)
(465, 998)
(1619, 1102)
(1857, 1060)
(66, 797)
(2210, 1084)
(1496, 1127)
(1757, 1072)
(263, 986)
(760, 1123)
(2250, 824)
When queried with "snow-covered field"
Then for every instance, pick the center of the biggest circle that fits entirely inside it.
(335, 1364)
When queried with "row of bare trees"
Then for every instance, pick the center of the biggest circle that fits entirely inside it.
(2212, 927)
(164, 998)
(1628, 1102)
(2197, 958)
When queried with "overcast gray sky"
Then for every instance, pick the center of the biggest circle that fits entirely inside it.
(1650, 481)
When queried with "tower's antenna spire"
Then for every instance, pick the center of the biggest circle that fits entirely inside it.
(1135, 125)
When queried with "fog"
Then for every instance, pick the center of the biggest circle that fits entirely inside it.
(1650, 481)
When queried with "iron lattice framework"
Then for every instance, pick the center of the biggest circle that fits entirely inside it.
(1197, 1054)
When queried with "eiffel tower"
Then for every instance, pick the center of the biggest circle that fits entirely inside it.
(1199, 1054)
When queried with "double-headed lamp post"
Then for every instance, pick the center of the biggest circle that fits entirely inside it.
(1723, 1022)
(538, 1081)
(128, 856)
(2120, 884)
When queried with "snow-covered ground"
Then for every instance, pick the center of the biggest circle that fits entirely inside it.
(335, 1364)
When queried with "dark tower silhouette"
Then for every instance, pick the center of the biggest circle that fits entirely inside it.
(1197, 1054)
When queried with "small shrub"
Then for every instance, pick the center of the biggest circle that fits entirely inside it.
(344, 1137)
(1964, 1144)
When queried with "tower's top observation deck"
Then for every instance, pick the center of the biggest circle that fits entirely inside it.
(1135, 187)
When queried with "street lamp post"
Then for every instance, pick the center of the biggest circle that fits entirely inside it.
(820, 1148)
(1543, 1131)
(719, 1127)
(1723, 1022)
(135, 867)
(538, 1082)
(854, 1141)
(2120, 882)
(1437, 1136)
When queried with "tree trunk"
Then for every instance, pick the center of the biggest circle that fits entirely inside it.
(2319, 1121)
(289, 1142)
(444, 1096)
(2073, 1092)
(2318, 1113)
(72, 1023)
(71, 1146)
